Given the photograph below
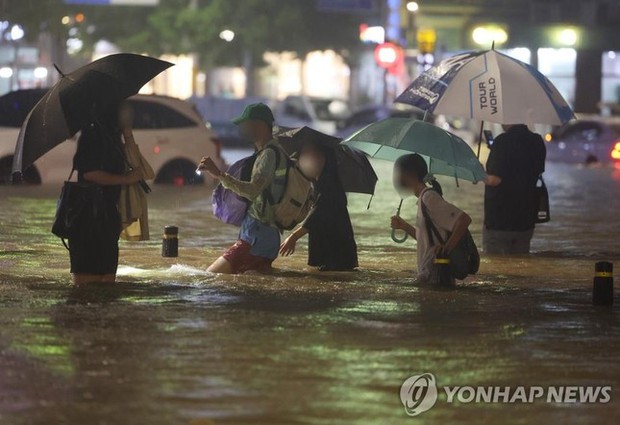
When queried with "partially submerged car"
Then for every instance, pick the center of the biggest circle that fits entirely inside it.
(171, 134)
(589, 139)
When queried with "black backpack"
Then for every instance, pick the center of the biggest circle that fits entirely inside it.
(465, 258)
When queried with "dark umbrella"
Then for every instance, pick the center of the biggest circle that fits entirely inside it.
(354, 169)
(75, 100)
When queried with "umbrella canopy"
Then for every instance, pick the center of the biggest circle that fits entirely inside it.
(488, 86)
(76, 99)
(445, 153)
(354, 170)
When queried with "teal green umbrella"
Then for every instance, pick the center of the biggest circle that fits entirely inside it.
(445, 153)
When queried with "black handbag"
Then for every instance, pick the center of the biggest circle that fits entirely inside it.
(543, 213)
(77, 200)
(465, 258)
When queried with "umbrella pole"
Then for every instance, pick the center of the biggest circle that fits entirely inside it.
(480, 138)
(370, 201)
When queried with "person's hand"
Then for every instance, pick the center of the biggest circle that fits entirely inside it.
(134, 176)
(288, 246)
(397, 223)
(491, 180)
(207, 164)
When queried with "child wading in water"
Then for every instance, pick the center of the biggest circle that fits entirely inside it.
(410, 177)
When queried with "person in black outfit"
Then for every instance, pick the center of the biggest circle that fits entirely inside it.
(331, 243)
(99, 160)
(516, 160)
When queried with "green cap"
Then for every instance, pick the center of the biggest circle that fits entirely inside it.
(256, 111)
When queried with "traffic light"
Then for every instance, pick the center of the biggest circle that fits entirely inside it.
(427, 38)
(389, 56)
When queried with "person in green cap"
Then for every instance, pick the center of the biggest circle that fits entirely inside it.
(259, 237)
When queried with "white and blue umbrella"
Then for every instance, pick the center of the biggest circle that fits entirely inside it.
(488, 86)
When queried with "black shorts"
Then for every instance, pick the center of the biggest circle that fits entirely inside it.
(94, 248)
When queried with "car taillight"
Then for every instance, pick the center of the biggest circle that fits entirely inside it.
(615, 153)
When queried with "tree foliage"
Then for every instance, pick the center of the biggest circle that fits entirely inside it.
(193, 26)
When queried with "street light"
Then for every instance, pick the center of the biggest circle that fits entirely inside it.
(568, 37)
(227, 35)
(40, 73)
(6, 72)
(488, 35)
(17, 32)
(413, 6)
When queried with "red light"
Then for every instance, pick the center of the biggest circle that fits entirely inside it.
(156, 150)
(79, 18)
(388, 55)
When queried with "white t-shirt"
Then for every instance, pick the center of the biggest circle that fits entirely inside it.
(444, 216)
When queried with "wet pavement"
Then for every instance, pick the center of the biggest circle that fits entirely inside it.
(172, 344)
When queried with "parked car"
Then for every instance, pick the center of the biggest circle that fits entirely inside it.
(171, 134)
(319, 113)
(220, 111)
(373, 113)
(587, 140)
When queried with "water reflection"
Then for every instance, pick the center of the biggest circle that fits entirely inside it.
(173, 344)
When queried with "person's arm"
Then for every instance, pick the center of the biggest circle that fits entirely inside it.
(398, 223)
(262, 175)
(447, 217)
(288, 246)
(104, 178)
(458, 232)
(495, 163)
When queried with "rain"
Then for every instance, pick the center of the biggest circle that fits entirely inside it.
(391, 132)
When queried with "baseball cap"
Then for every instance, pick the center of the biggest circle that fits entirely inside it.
(256, 111)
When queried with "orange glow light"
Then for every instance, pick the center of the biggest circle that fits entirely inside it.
(79, 17)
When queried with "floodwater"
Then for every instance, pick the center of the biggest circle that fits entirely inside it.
(171, 344)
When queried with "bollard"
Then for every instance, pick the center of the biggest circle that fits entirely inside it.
(444, 274)
(603, 287)
(170, 243)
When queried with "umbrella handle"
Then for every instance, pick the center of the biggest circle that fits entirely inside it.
(406, 235)
(397, 239)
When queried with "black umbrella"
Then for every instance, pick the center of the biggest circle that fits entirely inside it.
(354, 169)
(75, 100)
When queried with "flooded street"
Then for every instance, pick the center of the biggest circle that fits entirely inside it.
(172, 344)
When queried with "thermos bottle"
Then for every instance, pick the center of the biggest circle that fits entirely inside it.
(170, 243)
(444, 274)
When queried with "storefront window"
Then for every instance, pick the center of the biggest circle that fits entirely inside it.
(559, 66)
(520, 53)
(611, 77)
